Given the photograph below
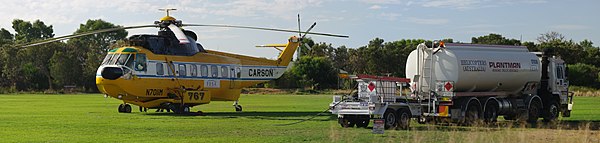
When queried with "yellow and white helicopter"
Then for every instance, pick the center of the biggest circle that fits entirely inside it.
(171, 71)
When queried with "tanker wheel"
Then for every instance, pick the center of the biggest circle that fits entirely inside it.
(404, 116)
(534, 111)
(551, 112)
(390, 119)
(490, 114)
(472, 115)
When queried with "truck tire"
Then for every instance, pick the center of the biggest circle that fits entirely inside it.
(404, 116)
(390, 119)
(551, 112)
(534, 111)
(490, 114)
(472, 115)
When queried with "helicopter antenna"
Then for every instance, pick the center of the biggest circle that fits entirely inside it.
(167, 10)
(298, 54)
(299, 29)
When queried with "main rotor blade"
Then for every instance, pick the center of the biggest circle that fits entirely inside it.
(50, 40)
(307, 31)
(261, 28)
(179, 34)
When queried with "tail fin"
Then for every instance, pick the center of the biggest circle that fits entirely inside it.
(288, 53)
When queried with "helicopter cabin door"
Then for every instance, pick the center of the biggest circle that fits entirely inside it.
(234, 73)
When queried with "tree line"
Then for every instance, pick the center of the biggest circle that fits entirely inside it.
(74, 62)
(55, 65)
(389, 59)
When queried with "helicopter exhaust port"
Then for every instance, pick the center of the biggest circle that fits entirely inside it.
(111, 73)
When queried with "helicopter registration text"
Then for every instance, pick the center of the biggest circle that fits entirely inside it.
(212, 83)
(154, 92)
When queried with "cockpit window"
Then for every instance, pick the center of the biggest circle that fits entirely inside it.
(140, 62)
(119, 59)
(107, 59)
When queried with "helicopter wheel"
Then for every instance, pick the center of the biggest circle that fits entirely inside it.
(186, 109)
(141, 110)
(121, 108)
(238, 108)
(127, 108)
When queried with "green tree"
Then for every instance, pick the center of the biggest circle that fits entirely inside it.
(550, 36)
(91, 49)
(28, 32)
(340, 58)
(494, 39)
(32, 60)
(316, 72)
(583, 75)
(592, 54)
(5, 37)
(65, 68)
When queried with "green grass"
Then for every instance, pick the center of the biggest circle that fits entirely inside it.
(93, 118)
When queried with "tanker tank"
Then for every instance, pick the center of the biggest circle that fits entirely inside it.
(479, 68)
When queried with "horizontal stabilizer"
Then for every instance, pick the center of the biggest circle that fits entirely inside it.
(273, 45)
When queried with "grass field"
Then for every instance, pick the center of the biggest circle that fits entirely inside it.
(93, 118)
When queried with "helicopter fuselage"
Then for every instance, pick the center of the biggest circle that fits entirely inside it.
(136, 75)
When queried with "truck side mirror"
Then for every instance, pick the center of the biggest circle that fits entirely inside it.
(566, 71)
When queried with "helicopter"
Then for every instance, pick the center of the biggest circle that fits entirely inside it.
(172, 71)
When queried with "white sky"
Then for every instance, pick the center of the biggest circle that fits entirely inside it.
(362, 20)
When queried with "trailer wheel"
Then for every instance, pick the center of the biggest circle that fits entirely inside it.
(345, 122)
(390, 119)
(472, 114)
(404, 116)
(534, 111)
(551, 112)
(362, 123)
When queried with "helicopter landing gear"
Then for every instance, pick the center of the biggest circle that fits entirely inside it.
(238, 108)
(143, 109)
(124, 108)
(178, 109)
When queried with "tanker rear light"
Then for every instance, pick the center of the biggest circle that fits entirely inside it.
(446, 99)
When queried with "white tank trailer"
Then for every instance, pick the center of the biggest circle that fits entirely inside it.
(470, 82)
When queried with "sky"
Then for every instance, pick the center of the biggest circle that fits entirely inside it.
(362, 20)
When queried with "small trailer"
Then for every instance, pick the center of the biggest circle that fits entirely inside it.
(377, 97)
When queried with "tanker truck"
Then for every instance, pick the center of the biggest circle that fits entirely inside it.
(466, 84)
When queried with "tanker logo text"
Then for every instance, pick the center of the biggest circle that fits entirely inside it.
(505, 66)
(473, 65)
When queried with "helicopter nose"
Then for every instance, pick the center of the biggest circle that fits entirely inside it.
(112, 73)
